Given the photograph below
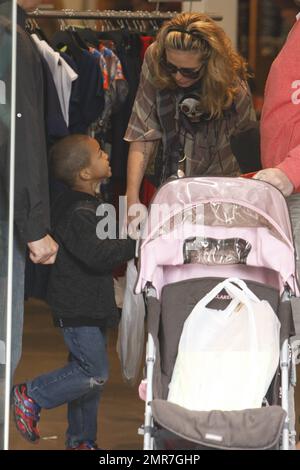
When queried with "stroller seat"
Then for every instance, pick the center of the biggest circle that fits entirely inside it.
(177, 302)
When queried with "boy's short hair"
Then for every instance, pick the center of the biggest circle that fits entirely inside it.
(69, 156)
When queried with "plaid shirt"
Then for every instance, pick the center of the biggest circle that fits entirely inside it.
(206, 146)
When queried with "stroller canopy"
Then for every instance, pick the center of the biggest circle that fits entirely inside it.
(232, 226)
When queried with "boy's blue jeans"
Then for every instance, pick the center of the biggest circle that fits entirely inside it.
(79, 383)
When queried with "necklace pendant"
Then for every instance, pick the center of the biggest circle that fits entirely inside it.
(180, 174)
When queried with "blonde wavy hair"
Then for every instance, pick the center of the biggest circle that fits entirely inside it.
(223, 68)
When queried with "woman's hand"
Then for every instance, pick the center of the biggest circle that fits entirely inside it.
(277, 178)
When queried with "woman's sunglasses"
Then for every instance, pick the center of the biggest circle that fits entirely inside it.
(185, 72)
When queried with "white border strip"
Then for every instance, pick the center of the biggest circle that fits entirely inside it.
(11, 225)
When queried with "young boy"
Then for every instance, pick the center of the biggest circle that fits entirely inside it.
(81, 296)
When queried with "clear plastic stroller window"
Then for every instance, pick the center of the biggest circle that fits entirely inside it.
(216, 214)
(211, 251)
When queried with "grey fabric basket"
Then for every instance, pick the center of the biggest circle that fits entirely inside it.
(256, 429)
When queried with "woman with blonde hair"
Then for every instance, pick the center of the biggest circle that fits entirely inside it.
(193, 98)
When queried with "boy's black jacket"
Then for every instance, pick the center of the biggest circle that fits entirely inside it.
(80, 290)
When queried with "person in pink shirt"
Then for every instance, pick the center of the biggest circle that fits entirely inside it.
(280, 141)
(280, 121)
(280, 128)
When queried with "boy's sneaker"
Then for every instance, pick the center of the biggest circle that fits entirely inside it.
(85, 445)
(26, 413)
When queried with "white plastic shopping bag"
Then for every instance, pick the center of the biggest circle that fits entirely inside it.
(226, 358)
(130, 344)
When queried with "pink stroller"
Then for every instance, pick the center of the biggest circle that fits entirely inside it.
(201, 231)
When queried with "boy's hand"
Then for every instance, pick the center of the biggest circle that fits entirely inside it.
(131, 200)
(277, 178)
(43, 251)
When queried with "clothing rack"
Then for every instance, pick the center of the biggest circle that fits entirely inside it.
(108, 14)
(101, 15)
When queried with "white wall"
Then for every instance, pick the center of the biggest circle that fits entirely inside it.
(226, 8)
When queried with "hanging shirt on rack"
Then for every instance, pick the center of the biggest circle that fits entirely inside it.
(90, 88)
(127, 48)
(55, 124)
(115, 88)
(146, 41)
(76, 126)
(63, 74)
